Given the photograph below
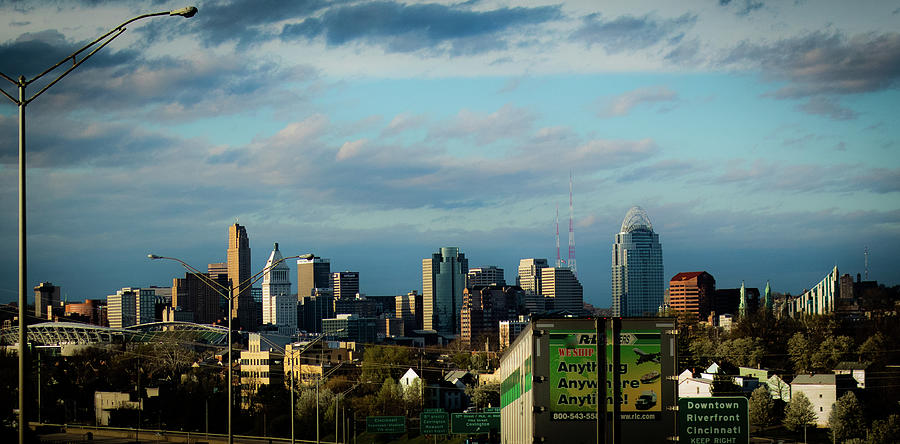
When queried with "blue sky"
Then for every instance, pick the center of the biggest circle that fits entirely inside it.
(761, 137)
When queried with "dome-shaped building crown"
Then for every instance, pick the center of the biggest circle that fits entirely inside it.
(636, 219)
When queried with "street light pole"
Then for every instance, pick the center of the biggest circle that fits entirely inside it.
(23, 100)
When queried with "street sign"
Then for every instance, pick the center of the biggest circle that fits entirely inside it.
(433, 422)
(718, 420)
(386, 424)
(483, 422)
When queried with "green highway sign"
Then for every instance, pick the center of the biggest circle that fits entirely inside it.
(386, 424)
(434, 422)
(466, 423)
(718, 420)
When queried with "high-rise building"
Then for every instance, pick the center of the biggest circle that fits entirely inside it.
(529, 277)
(510, 329)
(314, 308)
(443, 281)
(46, 300)
(131, 306)
(200, 295)
(345, 284)
(692, 293)
(484, 276)
(238, 260)
(279, 306)
(217, 269)
(482, 310)
(561, 289)
(637, 267)
(312, 273)
(92, 311)
(409, 309)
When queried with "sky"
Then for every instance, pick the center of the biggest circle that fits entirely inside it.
(761, 137)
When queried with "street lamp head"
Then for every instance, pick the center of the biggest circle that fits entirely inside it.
(187, 12)
(307, 256)
(153, 256)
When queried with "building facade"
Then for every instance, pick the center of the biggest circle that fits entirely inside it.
(529, 277)
(238, 263)
(443, 280)
(484, 276)
(131, 306)
(46, 301)
(691, 294)
(561, 289)
(409, 309)
(201, 295)
(279, 306)
(345, 284)
(637, 267)
(312, 273)
(821, 299)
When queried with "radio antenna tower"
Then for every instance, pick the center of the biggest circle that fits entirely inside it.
(866, 253)
(559, 261)
(571, 262)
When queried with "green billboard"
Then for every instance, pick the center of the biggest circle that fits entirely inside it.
(573, 375)
(640, 374)
(470, 423)
(434, 422)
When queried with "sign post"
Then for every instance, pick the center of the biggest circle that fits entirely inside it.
(718, 420)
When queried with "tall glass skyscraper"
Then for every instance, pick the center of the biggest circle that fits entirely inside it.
(637, 267)
(443, 282)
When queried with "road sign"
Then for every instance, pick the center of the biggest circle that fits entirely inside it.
(483, 422)
(386, 424)
(433, 422)
(720, 420)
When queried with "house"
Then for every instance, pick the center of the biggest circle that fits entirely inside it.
(777, 386)
(449, 393)
(823, 390)
(691, 387)
(857, 370)
(106, 402)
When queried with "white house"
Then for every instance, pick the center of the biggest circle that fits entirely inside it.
(691, 387)
(823, 390)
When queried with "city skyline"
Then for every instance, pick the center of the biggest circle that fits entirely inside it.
(757, 134)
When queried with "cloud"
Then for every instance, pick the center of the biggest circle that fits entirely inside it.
(33, 52)
(744, 7)
(825, 63)
(630, 33)
(507, 122)
(623, 104)
(248, 22)
(350, 149)
(403, 122)
(807, 178)
(824, 106)
(409, 28)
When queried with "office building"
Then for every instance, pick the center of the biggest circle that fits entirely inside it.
(358, 306)
(201, 296)
(561, 289)
(345, 284)
(46, 301)
(509, 330)
(484, 276)
(482, 310)
(315, 308)
(217, 269)
(350, 327)
(312, 273)
(637, 267)
(279, 306)
(92, 311)
(443, 281)
(529, 278)
(409, 309)
(691, 294)
(261, 364)
(131, 306)
(820, 299)
(238, 262)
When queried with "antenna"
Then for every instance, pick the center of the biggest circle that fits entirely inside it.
(559, 260)
(866, 253)
(572, 225)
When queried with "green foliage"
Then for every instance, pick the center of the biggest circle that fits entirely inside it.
(874, 349)
(798, 348)
(746, 352)
(723, 385)
(487, 395)
(885, 430)
(762, 407)
(799, 413)
(381, 362)
(831, 351)
(846, 419)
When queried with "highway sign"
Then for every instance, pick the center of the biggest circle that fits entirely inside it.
(719, 420)
(434, 422)
(483, 422)
(386, 424)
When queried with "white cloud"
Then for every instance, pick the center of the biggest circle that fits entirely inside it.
(350, 149)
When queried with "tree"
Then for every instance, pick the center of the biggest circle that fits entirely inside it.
(799, 413)
(831, 351)
(846, 418)
(873, 350)
(798, 349)
(885, 430)
(762, 407)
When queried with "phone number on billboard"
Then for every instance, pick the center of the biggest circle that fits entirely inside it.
(576, 416)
